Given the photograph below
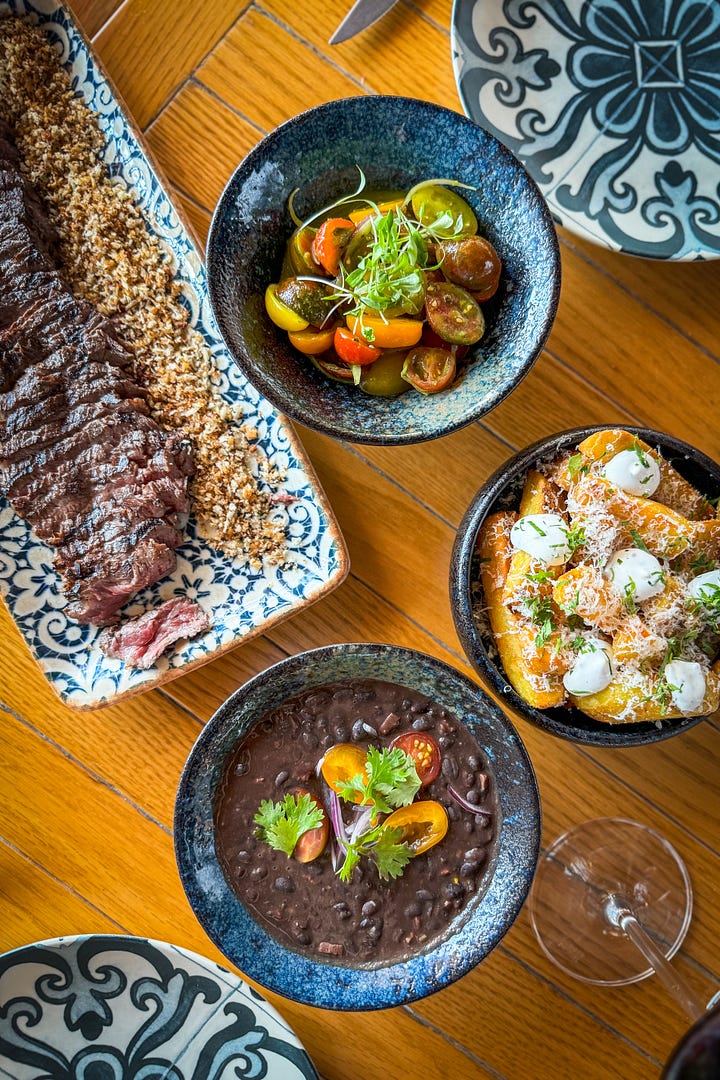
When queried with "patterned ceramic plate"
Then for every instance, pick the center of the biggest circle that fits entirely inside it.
(115, 1007)
(614, 108)
(242, 602)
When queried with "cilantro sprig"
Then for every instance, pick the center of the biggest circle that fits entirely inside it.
(281, 824)
(390, 780)
(384, 846)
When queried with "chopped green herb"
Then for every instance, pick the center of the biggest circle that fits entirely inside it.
(540, 577)
(703, 563)
(642, 456)
(629, 591)
(575, 465)
(638, 540)
(575, 538)
(536, 527)
(281, 824)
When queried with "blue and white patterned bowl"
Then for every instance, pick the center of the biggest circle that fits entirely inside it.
(502, 491)
(397, 142)
(614, 108)
(476, 932)
(109, 1007)
(242, 600)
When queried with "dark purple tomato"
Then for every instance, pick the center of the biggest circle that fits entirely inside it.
(429, 370)
(473, 263)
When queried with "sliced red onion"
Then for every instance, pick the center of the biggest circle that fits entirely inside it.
(336, 818)
(470, 807)
(361, 823)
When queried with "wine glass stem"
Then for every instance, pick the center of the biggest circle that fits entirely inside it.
(682, 993)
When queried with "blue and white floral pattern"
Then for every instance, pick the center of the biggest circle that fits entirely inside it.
(241, 601)
(612, 105)
(112, 1008)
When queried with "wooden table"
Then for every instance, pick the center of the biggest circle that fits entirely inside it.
(88, 798)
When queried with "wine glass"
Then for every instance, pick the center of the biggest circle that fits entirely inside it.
(611, 905)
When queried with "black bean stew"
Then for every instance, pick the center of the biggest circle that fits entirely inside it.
(306, 906)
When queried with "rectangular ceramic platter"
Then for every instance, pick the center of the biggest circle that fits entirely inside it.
(242, 602)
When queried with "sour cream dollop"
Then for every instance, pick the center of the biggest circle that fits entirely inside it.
(542, 536)
(635, 574)
(634, 471)
(687, 681)
(705, 586)
(592, 671)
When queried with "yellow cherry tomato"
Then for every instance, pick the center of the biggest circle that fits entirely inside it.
(341, 763)
(281, 314)
(390, 334)
(422, 824)
(383, 207)
(312, 342)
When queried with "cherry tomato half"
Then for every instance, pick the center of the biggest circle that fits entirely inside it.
(454, 314)
(341, 763)
(424, 751)
(299, 252)
(312, 843)
(430, 201)
(281, 314)
(429, 370)
(387, 333)
(312, 342)
(336, 372)
(422, 824)
(353, 350)
(330, 241)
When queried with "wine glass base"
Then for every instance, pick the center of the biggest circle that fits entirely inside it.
(570, 899)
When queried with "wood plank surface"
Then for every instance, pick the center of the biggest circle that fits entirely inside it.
(88, 799)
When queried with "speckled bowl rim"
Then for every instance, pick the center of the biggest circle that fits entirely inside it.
(487, 499)
(479, 928)
(344, 430)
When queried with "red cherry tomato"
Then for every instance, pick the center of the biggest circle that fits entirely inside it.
(429, 370)
(422, 824)
(330, 242)
(424, 751)
(312, 843)
(353, 350)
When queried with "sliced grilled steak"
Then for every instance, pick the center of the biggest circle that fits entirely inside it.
(80, 458)
(98, 599)
(139, 642)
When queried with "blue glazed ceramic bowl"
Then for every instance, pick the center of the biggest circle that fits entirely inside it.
(476, 930)
(502, 492)
(397, 142)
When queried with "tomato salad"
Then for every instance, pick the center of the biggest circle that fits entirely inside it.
(389, 296)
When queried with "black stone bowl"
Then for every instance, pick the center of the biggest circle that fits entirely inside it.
(502, 492)
(397, 142)
(475, 931)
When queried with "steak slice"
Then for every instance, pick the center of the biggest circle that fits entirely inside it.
(139, 642)
(67, 362)
(96, 384)
(26, 444)
(57, 511)
(99, 598)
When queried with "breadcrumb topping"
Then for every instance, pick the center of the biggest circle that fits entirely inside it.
(109, 256)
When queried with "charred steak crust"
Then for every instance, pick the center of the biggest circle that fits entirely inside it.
(80, 458)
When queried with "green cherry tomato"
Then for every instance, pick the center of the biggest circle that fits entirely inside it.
(281, 314)
(384, 377)
(431, 200)
(429, 370)
(299, 252)
(308, 299)
(454, 314)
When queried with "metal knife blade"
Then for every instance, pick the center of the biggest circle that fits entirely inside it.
(362, 14)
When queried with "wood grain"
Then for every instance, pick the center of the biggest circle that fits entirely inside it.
(88, 800)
